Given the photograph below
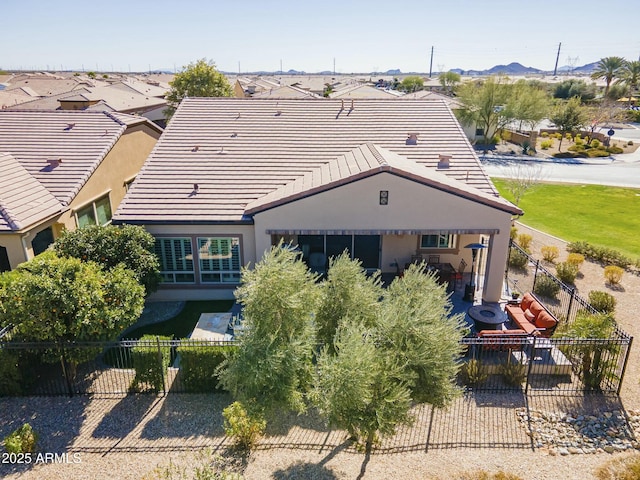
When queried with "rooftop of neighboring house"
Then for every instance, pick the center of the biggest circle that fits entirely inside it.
(429, 95)
(23, 199)
(286, 91)
(218, 156)
(363, 91)
(61, 149)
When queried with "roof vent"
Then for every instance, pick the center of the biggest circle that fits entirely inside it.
(196, 148)
(69, 126)
(234, 135)
(412, 139)
(443, 161)
(54, 162)
(352, 106)
(196, 187)
(221, 151)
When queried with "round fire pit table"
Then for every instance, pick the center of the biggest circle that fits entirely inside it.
(487, 317)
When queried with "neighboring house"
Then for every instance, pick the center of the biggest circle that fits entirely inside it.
(62, 170)
(248, 87)
(286, 91)
(364, 91)
(384, 179)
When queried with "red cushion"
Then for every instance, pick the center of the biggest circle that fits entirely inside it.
(536, 308)
(526, 301)
(545, 320)
(529, 316)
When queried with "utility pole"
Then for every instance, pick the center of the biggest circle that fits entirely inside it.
(238, 67)
(555, 69)
(280, 66)
(334, 66)
(431, 62)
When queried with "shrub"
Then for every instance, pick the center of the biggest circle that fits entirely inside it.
(568, 136)
(613, 274)
(578, 140)
(513, 233)
(198, 365)
(546, 144)
(518, 260)
(567, 272)
(578, 148)
(603, 302)
(625, 468)
(513, 373)
(576, 259)
(604, 255)
(597, 152)
(557, 135)
(524, 240)
(630, 142)
(10, 374)
(595, 143)
(550, 253)
(544, 134)
(483, 475)
(614, 149)
(22, 440)
(473, 373)
(245, 428)
(578, 136)
(546, 286)
(150, 363)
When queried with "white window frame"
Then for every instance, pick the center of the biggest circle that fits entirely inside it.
(94, 209)
(208, 246)
(449, 243)
(187, 256)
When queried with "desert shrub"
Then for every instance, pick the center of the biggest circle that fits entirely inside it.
(150, 364)
(550, 253)
(546, 144)
(602, 301)
(614, 149)
(483, 475)
(513, 373)
(205, 466)
(630, 142)
(244, 427)
(198, 365)
(546, 286)
(557, 135)
(544, 134)
(578, 148)
(518, 260)
(473, 373)
(22, 440)
(576, 259)
(578, 140)
(10, 374)
(566, 155)
(513, 233)
(568, 136)
(604, 255)
(567, 272)
(595, 143)
(524, 240)
(578, 136)
(613, 274)
(624, 468)
(597, 152)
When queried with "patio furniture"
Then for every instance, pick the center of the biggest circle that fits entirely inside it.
(459, 273)
(487, 317)
(433, 259)
(532, 316)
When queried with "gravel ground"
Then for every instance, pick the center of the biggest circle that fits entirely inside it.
(127, 437)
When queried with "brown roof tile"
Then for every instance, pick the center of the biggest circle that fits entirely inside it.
(239, 150)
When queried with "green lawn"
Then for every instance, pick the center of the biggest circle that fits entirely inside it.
(182, 324)
(600, 215)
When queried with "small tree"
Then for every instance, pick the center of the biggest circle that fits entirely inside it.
(521, 178)
(412, 84)
(347, 293)
(109, 246)
(569, 117)
(63, 299)
(449, 80)
(199, 79)
(272, 366)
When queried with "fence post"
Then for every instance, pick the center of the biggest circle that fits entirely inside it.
(571, 299)
(533, 349)
(624, 365)
(535, 275)
(161, 366)
(65, 371)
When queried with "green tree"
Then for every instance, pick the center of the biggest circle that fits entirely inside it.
(63, 299)
(346, 293)
(575, 88)
(449, 81)
(272, 366)
(608, 68)
(109, 246)
(482, 105)
(630, 75)
(199, 79)
(411, 84)
(359, 389)
(526, 104)
(568, 117)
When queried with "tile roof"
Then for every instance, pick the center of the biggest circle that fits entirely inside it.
(80, 139)
(363, 91)
(364, 161)
(428, 94)
(23, 200)
(239, 150)
(286, 91)
(48, 103)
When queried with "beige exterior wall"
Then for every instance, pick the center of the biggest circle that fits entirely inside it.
(204, 292)
(412, 206)
(122, 163)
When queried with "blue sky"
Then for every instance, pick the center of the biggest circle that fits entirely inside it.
(138, 35)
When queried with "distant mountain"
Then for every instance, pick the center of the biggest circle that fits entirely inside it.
(513, 68)
(393, 72)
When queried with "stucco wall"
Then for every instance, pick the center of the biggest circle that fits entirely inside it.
(412, 206)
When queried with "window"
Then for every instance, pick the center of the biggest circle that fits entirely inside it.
(438, 241)
(176, 260)
(42, 240)
(96, 213)
(219, 259)
(479, 132)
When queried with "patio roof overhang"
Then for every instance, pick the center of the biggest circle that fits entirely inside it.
(426, 231)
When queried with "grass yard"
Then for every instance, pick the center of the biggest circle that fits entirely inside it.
(182, 324)
(598, 214)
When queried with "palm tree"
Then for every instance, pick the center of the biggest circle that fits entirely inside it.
(608, 68)
(630, 76)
